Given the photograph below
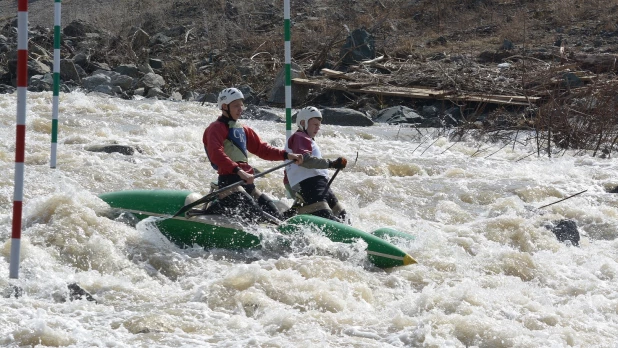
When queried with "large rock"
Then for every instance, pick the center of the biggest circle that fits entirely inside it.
(256, 113)
(251, 98)
(358, 46)
(123, 81)
(123, 149)
(299, 92)
(40, 83)
(7, 89)
(79, 28)
(566, 230)
(35, 67)
(92, 82)
(345, 117)
(156, 92)
(76, 292)
(397, 115)
(68, 71)
(151, 80)
(128, 69)
(83, 60)
(155, 63)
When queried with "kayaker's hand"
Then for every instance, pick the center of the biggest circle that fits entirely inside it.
(297, 158)
(339, 163)
(246, 177)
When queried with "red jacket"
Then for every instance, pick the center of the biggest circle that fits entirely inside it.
(217, 132)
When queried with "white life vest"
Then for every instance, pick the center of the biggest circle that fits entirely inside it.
(296, 173)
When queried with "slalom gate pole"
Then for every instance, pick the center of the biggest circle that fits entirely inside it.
(20, 139)
(56, 98)
(288, 71)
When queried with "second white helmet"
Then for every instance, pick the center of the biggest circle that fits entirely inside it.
(305, 114)
(228, 95)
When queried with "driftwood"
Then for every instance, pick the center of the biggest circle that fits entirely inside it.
(348, 84)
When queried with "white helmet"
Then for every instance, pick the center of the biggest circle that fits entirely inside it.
(305, 114)
(228, 95)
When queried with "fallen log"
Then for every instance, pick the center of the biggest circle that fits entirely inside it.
(418, 93)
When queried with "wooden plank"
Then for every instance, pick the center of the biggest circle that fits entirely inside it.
(485, 99)
(421, 93)
(336, 74)
(521, 98)
(403, 91)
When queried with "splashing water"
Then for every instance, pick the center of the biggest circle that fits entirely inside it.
(490, 273)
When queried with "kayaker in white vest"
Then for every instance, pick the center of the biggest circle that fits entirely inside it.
(309, 179)
(227, 143)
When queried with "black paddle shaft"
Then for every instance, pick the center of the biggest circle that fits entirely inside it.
(334, 175)
(331, 181)
(209, 197)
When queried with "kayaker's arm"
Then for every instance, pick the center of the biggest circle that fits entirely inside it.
(261, 149)
(312, 162)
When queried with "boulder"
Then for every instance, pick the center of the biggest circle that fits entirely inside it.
(123, 81)
(123, 149)
(155, 63)
(105, 89)
(97, 79)
(78, 28)
(35, 67)
(398, 114)
(345, 117)
(251, 98)
(128, 69)
(358, 46)
(7, 89)
(156, 92)
(209, 98)
(68, 71)
(40, 83)
(151, 80)
(566, 230)
(254, 112)
(299, 92)
(76, 292)
(452, 116)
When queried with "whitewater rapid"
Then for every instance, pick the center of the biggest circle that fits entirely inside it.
(490, 273)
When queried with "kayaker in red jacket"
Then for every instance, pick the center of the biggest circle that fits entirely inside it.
(227, 143)
(310, 178)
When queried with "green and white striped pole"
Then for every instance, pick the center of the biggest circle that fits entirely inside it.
(288, 71)
(56, 97)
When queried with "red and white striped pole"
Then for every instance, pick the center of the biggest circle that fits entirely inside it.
(20, 139)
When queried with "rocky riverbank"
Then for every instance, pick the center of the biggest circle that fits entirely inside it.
(510, 67)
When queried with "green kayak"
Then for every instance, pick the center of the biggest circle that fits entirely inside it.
(216, 231)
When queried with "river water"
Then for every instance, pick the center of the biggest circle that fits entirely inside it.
(490, 273)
